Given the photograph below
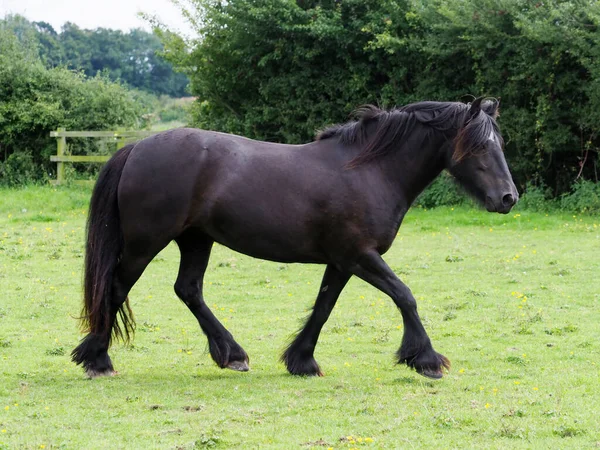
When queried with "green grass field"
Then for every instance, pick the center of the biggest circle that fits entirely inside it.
(511, 300)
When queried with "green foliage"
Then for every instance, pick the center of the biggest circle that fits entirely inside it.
(132, 58)
(19, 169)
(540, 58)
(280, 69)
(174, 110)
(35, 100)
(444, 191)
(536, 198)
(583, 198)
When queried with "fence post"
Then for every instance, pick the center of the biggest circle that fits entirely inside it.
(61, 146)
(119, 139)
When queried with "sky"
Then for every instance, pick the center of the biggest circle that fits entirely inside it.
(115, 14)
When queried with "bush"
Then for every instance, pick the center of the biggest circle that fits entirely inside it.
(536, 198)
(583, 198)
(35, 100)
(277, 70)
(19, 169)
(175, 109)
(444, 191)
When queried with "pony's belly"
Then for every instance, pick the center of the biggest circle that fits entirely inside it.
(270, 250)
(275, 230)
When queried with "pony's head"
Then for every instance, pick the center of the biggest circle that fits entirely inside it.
(476, 158)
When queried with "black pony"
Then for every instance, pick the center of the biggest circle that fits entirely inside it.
(336, 201)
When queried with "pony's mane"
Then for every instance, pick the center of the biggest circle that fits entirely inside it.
(378, 131)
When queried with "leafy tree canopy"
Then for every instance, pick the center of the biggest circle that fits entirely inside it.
(35, 100)
(280, 69)
(133, 57)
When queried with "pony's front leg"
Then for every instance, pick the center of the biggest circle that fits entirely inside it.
(416, 350)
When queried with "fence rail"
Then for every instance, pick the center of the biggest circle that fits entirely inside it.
(62, 156)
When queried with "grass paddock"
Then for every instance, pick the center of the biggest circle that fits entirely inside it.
(511, 300)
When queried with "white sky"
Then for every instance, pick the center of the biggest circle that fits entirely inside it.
(115, 14)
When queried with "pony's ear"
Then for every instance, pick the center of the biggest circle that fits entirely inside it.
(475, 107)
(491, 107)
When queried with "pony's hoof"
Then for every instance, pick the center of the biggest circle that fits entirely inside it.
(434, 374)
(91, 373)
(239, 366)
(303, 367)
(436, 369)
(428, 363)
(307, 371)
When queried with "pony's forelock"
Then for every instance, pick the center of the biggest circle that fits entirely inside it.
(473, 136)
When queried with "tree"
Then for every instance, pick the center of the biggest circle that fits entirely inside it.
(35, 100)
(132, 58)
(541, 59)
(280, 69)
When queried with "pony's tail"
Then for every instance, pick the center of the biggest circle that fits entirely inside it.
(103, 252)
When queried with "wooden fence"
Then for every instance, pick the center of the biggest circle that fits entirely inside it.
(62, 155)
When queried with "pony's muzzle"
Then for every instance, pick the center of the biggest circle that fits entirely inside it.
(508, 201)
(503, 203)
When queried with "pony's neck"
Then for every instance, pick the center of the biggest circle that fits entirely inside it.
(416, 163)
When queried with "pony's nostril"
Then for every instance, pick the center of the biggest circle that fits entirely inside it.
(508, 200)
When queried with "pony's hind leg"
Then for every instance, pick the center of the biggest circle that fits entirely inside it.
(298, 357)
(92, 352)
(195, 248)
